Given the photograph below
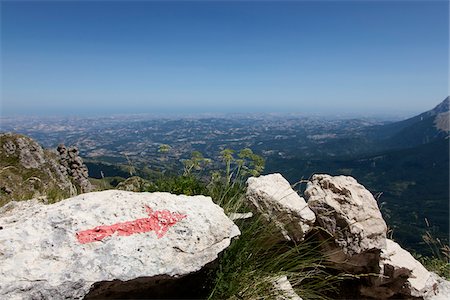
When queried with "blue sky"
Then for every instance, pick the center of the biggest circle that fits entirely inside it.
(69, 57)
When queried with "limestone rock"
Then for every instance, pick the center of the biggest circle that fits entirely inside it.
(272, 196)
(437, 288)
(350, 214)
(89, 244)
(397, 260)
(402, 274)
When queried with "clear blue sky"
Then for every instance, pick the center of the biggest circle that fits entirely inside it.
(61, 57)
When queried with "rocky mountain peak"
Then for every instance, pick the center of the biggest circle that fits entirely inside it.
(442, 107)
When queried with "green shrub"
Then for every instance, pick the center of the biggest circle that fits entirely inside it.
(186, 185)
(439, 261)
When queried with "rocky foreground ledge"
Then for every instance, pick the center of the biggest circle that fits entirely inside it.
(118, 244)
(107, 244)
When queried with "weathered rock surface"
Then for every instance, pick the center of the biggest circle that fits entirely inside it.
(402, 274)
(350, 214)
(72, 165)
(437, 288)
(357, 242)
(28, 171)
(95, 242)
(442, 121)
(272, 196)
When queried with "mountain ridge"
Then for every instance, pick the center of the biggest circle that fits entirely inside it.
(420, 129)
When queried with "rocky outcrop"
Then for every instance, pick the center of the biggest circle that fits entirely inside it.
(442, 121)
(352, 235)
(442, 115)
(356, 242)
(350, 215)
(108, 244)
(401, 274)
(27, 171)
(273, 197)
(73, 165)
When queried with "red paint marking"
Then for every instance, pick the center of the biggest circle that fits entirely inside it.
(158, 221)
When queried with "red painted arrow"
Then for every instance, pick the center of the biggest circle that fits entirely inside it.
(158, 221)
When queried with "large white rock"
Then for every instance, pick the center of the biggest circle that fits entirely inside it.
(42, 258)
(273, 197)
(401, 273)
(350, 214)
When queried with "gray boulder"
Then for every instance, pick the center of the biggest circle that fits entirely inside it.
(72, 165)
(107, 244)
(350, 215)
(272, 196)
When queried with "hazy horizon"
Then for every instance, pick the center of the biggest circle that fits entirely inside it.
(381, 116)
(317, 58)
